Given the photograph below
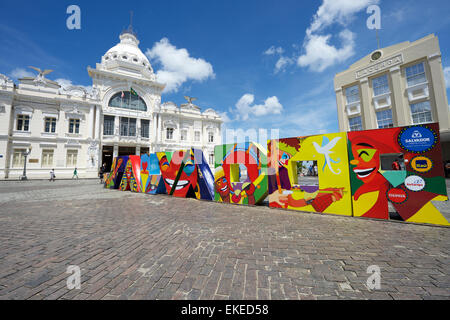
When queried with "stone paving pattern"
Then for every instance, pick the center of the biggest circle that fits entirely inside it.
(136, 246)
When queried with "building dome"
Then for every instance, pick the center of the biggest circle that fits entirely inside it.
(127, 51)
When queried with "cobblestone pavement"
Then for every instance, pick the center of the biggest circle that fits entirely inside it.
(136, 246)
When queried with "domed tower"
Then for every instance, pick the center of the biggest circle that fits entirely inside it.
(130, 99)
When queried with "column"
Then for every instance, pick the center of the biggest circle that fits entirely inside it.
(343, 126)
(369, 117)
(91, 122)
(159, 130)
(138, 128)
(399, 111)
(115, 150)
(438, 92)
(116, 125)
(153, 124)
(97, 122)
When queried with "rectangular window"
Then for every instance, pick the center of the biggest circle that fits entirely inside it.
(421, 112)
(23, 122)
(47, 158)
(355, 124)
(380, 85)
(392, 161)
(18, 158)
(108, 125)
(127, 127)
(145, 128)
(211, 159)
(169, 133)
(183, 135)
(132, 131)
(50, 125)
(72, 156)
(306, 173)
(384, 119)
(210, 137)
(415, 74)
(74, 126)
(352, 94)
(197, 136)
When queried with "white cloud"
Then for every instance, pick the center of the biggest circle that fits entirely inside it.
(245, 107)
(282, 63)
(320, 54)
(225, 117)
(337, 11)
(272, 50)
(447, 76)
(19, 73)
(177, 65)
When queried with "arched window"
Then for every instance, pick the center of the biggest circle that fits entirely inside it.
(127, 100)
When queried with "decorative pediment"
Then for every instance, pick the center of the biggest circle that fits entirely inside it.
(22, 109)
(169, 106)
(76, 91)
(170, 124)
(73, 111)
(190, 108)
(210, 112)
(209, 126)
(95, 93)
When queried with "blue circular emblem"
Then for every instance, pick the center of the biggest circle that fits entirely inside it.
(417, 139)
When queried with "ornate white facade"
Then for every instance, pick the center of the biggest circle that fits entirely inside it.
(122, 114)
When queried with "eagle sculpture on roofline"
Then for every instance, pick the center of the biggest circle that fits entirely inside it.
(42, 73)
(190, 99)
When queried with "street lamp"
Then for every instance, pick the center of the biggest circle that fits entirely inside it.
(24, 175)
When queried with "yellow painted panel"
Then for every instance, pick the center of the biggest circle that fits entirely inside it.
(429, 214)
(330, 152)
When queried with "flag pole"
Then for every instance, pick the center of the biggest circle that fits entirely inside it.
(378, 39)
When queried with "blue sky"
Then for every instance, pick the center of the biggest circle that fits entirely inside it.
(263, 63)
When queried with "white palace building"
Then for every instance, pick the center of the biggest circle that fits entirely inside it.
(64, 128)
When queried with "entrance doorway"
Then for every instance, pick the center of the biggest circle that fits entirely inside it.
(127, 151)
(107, 157)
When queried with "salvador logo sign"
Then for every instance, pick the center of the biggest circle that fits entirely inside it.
(421, 164)
(415, 183)
(417, 139)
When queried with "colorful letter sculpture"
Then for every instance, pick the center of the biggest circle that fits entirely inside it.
(187, 175)
(117, 170)
(151, 180)
(409, 191)
(131, 179)
(231, 183)
(331, 195)
(360, 174)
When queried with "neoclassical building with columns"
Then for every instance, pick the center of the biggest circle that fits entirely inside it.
(64, 128)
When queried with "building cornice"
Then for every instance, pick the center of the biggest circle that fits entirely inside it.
(124, 77)
(434, 55)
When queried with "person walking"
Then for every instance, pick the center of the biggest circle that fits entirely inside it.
(52, 175)
(101, 171)
(75, 173)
